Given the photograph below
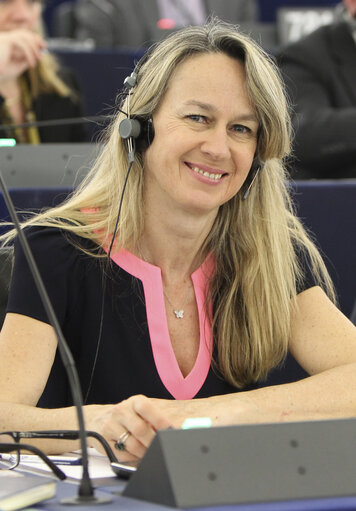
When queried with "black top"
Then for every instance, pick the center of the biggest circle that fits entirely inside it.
(134, 354)
(52, 106)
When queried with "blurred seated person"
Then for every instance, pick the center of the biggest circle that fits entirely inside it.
(320, 74)
(32, 85)
(138, 23)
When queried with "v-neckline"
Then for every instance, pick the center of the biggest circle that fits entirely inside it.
(180, 387)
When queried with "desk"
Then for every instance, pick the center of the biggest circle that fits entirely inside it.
(126, 504)
(250, 462)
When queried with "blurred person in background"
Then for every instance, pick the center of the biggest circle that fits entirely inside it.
(138, 23)
(33, 87)
(320, 73)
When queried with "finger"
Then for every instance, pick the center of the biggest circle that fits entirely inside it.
(109, 423)
(145, 420)
(124, 418)
(23, 54)
(133, 449)
(28, 47)
(150, 412)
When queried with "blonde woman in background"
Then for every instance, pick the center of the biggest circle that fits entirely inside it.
(211, 279)
(32, 85)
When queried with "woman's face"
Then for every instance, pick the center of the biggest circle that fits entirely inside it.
(205, 137)
(16, 14)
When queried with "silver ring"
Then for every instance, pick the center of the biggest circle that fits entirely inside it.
(121, 442)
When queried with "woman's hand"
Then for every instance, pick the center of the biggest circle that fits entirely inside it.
(223, 410)
(137, 416)
(135, 421)
(19, 50)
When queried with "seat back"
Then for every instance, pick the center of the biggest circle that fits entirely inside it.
(64, 24)
(6, 262)
(328, 209)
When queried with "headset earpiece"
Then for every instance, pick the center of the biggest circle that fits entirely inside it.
(146, 136)
(138, 131)
(129, 128)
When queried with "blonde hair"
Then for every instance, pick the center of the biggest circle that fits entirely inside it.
(255, 242)
(44, 77)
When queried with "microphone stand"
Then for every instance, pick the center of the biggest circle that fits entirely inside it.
(86, 495)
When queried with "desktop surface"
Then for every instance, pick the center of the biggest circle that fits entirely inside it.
(122, 503)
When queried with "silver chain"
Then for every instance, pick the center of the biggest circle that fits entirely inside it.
(178, 312)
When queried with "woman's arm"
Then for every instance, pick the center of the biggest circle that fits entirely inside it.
(27, 351)
(323, 341)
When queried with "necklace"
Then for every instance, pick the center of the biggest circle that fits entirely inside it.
(178, 312)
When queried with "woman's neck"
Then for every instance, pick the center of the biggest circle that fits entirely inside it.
(174, 242)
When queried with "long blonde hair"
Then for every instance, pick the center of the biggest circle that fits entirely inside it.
(254, 242)
(44, 78)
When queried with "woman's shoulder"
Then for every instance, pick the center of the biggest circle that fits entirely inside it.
(307, 272)
(55, 243)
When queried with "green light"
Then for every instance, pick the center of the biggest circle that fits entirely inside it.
(7, 142)
(198, 422)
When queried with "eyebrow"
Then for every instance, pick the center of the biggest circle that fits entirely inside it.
(210, 108)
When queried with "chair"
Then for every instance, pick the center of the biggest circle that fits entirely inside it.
(328, 209)
(64, 23)
(6, 261)
(31, 200)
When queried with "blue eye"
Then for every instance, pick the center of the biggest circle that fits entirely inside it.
(197, 118)
(239, 128)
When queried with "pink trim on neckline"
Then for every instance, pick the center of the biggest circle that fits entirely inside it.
(164, 357)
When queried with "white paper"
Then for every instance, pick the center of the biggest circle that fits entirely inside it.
(99, 465)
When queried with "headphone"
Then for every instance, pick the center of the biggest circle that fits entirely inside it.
(253, 173)
(138, 130)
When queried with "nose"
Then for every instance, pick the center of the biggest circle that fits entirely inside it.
(22, 11)
(216, 143)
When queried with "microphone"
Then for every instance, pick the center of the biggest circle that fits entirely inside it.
(86, 495)
(57, 122)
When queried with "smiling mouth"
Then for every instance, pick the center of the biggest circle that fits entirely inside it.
(211, 175)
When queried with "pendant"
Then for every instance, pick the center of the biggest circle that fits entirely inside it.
(179, 314)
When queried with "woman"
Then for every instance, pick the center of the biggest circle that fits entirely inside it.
(32, 86)
(212, 278)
